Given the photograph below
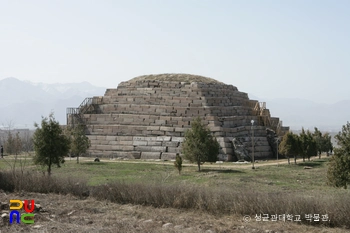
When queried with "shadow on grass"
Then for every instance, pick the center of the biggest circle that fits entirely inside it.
(93, 163)
(221, 170)
(321, 160)
(311, 164)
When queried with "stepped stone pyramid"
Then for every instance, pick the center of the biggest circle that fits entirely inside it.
(146, 118)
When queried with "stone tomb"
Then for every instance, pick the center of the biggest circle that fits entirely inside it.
(146, 117)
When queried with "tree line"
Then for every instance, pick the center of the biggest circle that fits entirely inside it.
(305, 145)
(200, 146)
(15, 143)
(51, 143)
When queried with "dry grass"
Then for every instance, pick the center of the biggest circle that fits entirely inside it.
(217, 202)
(68, 214)
(215, 199)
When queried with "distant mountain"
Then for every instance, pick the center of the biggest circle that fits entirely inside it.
(23, 103)
(14, 91)
(68, 90)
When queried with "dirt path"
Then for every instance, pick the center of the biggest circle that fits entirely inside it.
(224, 165)
(68, 214)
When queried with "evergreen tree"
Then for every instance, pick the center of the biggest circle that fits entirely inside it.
(80, 143)
(311, 149)
(323, 142)
(338, 173)
(17, 144)
(290, 146)
(304, 143)
(50, 144)
(308, 144)
(319, 141)
(9, 144)
(328, 145)
(178, 163)
(199, 145)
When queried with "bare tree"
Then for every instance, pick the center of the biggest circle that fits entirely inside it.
(27, 142)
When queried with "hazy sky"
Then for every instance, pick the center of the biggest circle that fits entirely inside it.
(266, 48)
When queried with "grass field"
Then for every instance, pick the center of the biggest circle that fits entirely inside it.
(267, 175)
(219, 189)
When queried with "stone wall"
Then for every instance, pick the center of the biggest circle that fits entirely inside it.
(147, 119)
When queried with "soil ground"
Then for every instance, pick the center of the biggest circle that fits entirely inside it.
(66, 213)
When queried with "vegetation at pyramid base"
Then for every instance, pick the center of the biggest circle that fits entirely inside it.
(199, 145)
(178, 163)
(80, 143)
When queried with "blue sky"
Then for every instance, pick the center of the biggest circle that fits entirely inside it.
(270, 49)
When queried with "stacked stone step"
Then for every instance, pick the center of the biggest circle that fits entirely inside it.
(148, 119)
(136, 147)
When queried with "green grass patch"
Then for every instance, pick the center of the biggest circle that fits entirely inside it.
(265, 177)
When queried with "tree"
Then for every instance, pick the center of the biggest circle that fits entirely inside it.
(80, 143)
(9, 144)
(290, 146)
(323, 142)
(308, 145)
(319, 141)
(213, 150)
(178, 163)
(9, 140)
(199, 145)
(18, 144)
(312, 147)
(304, 143)
(50, 144)
(27, 142)
(328, 145)
(13, 144)
(338, 173)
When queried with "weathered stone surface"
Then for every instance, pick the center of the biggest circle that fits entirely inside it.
(168, 156)
(150, 155)
(147, 117)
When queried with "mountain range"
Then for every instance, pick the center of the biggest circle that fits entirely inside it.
(23, 103)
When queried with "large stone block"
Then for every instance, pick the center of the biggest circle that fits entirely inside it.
(163, 138)
(139, 143)
(159, 148)
(171, 144)
(150, 155)
(168, 156)
(177, 139)
(154, 143)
